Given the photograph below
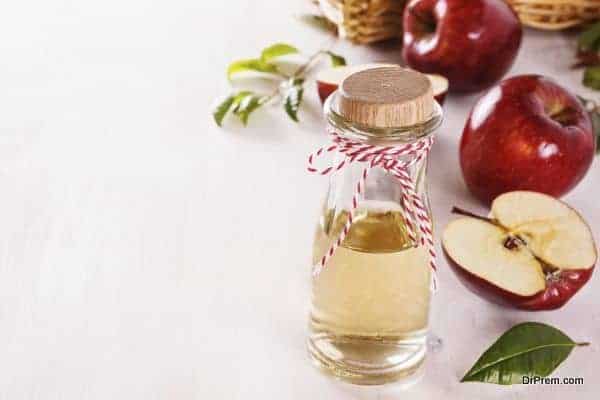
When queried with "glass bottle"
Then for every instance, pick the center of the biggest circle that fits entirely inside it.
(371, 294)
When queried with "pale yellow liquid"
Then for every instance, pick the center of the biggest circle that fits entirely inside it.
(370, 304)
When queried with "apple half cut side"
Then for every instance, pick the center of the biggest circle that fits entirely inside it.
(533, 252)
(329, 79)
(439, 84)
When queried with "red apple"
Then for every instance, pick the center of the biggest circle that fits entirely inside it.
(534, 252)
(329, 79)
(473, 43)
(527, 133)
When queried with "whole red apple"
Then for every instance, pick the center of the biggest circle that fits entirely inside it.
(473, 43)
(526, 133)
(533, 252)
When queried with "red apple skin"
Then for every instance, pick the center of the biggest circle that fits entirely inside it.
(325, 89)
(558, 292)
(474, 43)
(511, 141)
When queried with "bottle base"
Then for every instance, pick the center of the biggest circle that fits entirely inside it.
(367, 360)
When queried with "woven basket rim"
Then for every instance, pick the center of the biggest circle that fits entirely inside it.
(366, 21)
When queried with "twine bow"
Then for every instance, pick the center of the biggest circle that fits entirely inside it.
(387, 158)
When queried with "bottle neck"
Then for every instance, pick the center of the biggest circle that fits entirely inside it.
(382, 190)
(379, 136)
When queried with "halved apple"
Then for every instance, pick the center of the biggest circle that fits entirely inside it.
(329, 79)
(533, 252)
(439, 84)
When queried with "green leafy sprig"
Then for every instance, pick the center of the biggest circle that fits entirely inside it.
(290, 88)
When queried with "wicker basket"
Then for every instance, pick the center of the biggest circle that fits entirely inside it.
(368, 21)
(365, 21)
(556, 14)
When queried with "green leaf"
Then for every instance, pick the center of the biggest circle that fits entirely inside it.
(591, 77)
(293, 98)
(527, 349)
(255, 65)
(277, 50)
(336, 60)
(222, 109)
(242, 104)
(245, 103)
(590, 38)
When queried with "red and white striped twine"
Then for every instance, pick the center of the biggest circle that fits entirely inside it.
(386, 157)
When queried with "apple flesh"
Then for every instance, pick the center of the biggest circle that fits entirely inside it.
(534, 252)
(439, 84)
(328, 80)
(526, 133)
(473, 43)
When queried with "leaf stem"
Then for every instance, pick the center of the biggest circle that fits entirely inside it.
(271, 96)
(297, 74)
(303, 68)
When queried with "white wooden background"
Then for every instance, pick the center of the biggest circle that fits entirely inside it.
(146, 254)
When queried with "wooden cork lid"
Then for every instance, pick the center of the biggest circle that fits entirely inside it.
(386, 97)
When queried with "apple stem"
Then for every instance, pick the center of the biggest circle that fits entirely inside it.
(460, 211)
(563, 117)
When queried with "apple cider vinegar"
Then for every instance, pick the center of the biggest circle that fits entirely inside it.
(370, 305)
(373, 266)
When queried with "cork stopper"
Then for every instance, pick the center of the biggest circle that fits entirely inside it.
(387, 97)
